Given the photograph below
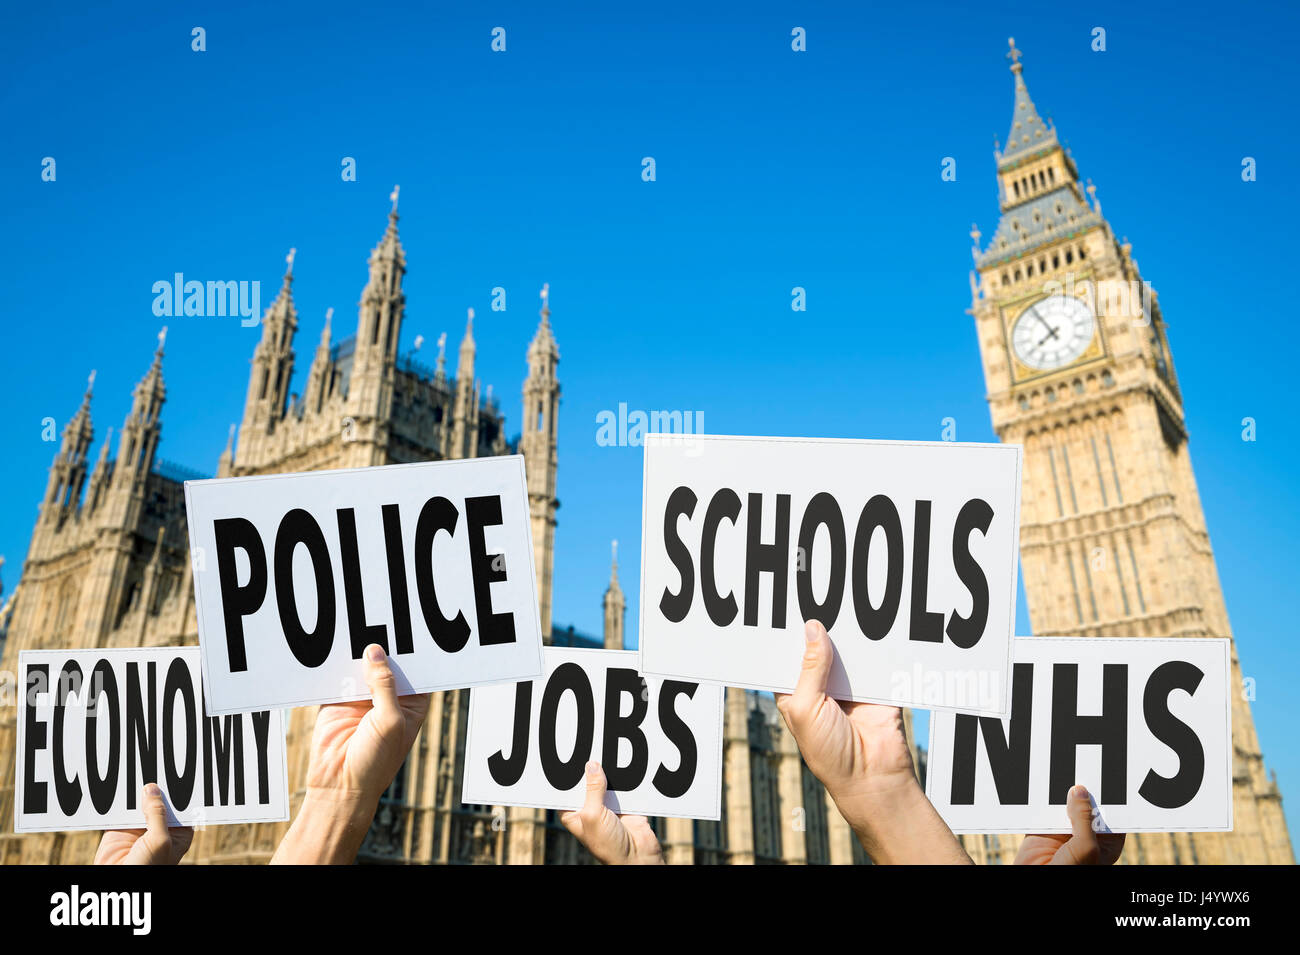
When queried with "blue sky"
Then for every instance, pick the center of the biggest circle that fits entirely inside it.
(774, 169)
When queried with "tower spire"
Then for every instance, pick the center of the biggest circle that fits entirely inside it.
(1028, 131)
(464, 429)
(615, 605)
(537, 443)
(138, 439)
(379, 324)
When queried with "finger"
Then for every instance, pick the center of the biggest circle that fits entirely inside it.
(814, 671)
(157, 838)
(383, 687)
(593, 803)
(1082, 849)
(573, 822)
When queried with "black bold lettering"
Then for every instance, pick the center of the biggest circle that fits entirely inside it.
(180, 784)
(875, 622)
(68, 791)
(261, 735)
(570, 678)
(509, 771)
(438, 514)
(361, 633)
(773, 558)
(618, 684)
(237, 602)
(674, 783)
(822, 510)
(725, 505)
(141, 728)
(397, 588)
(1178, 790)
(1070, 730)
(103, 692)
(674, 607)
(223, 735)
(975, 515)
(493, 628)
(299, 527)
(1008, 759)
(35, 738)
(925, 626)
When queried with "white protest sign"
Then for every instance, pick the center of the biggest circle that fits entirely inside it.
(296, 574)
(905, 551)
(95, 725)
(659, 741)
(1144, 724)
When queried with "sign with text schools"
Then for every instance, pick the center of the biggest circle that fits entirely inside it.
(905, 551)
(659, 741)
(295, 574)
(94, 726)
(1144, 724)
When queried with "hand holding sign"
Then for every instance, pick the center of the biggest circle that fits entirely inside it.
(1083, 846)
(859, 752)
(612, 838)
(154, 845)
(356, 750)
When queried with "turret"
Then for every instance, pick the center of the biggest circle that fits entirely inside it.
(538, 442)
(68, 472)
(615, 607)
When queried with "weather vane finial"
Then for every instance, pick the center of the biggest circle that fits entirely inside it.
(393, 196)
(1014, 55)
(288, 259)
(162, 339)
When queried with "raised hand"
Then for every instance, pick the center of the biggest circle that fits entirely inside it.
(156, 844)
(859, 752)
(611, 838)
(356, 750)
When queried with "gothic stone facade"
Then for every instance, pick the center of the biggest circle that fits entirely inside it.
(108, 566)
(1113, 540)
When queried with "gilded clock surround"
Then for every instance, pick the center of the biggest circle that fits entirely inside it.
(1011, 313)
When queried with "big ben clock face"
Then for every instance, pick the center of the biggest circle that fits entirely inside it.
(1052, 332)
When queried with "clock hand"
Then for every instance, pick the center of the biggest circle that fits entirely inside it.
(1051, 332)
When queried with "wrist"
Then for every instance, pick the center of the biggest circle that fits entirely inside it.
(896, 824)
(330, 826)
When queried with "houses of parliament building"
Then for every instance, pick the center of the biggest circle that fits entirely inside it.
(1113, 538)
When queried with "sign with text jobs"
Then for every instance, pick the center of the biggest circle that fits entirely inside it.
(95, 725)
(905, 551)
(659, 741)
(1144, 724)
(294, 575)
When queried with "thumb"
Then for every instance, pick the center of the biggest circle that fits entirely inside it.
(157, 838)
(1082, 848)
(593, 803)
(383, 687)
(818, 654)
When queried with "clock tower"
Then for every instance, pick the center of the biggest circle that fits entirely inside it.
(1078, 370)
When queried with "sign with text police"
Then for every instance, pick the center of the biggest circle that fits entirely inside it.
(905, 551)
(1144, 724)
(94, 726)
(295, 574)
(659, 741)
